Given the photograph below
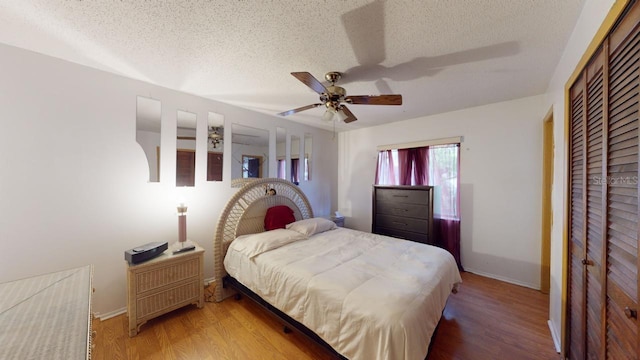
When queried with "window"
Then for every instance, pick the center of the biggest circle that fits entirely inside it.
(437, 166)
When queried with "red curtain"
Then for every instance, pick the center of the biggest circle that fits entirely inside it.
(404, 167)
(447, 236)
(413, 166)
(420, 165)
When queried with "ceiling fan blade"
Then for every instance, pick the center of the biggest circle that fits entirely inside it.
(350, 116)
(293, 111)
(310, 81)
(374, 99)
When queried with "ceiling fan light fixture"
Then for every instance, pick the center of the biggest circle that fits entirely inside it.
(334, 96)
(328, 115)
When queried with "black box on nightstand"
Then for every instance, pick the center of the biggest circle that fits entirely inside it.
(145, 252)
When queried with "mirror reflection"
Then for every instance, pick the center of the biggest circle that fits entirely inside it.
(308, 152)
(295, 159)
(215, 146)
(148, 120)
(281, 152)
(186, 148)
(250, 152)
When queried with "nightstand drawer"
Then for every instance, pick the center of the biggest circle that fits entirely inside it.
(420, 211)
(402, 223)
(403, 196)
(161, 276)
(161, 301)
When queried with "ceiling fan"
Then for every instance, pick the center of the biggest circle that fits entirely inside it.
(215, 137)
(335, 97)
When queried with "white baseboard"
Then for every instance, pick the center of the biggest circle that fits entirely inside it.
(208, 281)
(555, 336)
(123, 310)
(110, 314)
(501, 278)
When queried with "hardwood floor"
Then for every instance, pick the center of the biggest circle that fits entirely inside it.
(486, 319)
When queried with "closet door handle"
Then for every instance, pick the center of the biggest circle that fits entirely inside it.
(631, 313)
(587, 262)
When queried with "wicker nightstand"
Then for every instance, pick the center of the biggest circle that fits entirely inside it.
(163, 284)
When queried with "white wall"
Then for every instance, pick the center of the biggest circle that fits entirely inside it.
(500, 176)
(73, 180)
(592, 16)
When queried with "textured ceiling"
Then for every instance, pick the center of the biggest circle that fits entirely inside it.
(440, 55)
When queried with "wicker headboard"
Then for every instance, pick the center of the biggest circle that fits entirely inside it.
(244, 214)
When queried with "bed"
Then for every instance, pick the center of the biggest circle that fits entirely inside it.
(366, 296)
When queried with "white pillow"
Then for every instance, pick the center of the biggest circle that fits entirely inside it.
(312, 226)
(255, 244)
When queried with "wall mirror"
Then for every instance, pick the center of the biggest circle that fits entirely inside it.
(295, 159)
(215, 146)
(250, 152)
(186, 148)
(281, 152)
(148, 120)
(308, 152)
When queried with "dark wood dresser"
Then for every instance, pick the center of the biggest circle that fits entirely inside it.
(404, 212)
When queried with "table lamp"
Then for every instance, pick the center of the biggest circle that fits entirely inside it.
(182, 224)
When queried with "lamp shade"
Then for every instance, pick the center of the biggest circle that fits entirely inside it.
(328, 115)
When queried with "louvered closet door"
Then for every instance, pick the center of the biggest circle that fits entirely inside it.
(622, 341)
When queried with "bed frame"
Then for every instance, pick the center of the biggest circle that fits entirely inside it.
(244, 214)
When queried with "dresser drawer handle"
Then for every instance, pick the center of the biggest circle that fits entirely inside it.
(398, 209)
(400, 195)
(399, 223)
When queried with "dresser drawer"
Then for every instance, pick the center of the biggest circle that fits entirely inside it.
(407, 235)
(162, 301)
(403, 196)
(403, 209)
(161, 276)
(402, 223)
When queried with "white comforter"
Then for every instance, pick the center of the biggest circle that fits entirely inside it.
(366, 295)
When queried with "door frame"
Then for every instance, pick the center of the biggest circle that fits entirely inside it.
(547, 207)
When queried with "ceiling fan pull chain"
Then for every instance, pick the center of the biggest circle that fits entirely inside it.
(334, 130)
